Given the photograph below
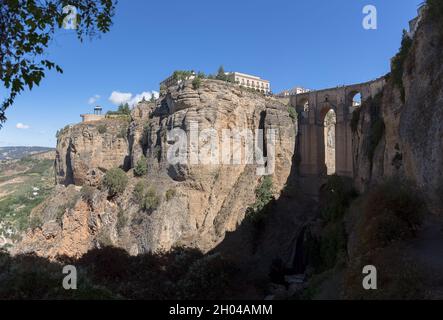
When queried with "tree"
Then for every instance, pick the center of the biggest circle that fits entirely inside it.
(26, 29)
(124, 109)
(196, 83)
(221, 75)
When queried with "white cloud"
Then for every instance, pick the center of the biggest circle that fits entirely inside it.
(119, 98)
(94, 99)
(22, 126)
(139, 97)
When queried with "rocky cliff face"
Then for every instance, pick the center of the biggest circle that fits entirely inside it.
(404, 137)
(197, 203)
(85, 149)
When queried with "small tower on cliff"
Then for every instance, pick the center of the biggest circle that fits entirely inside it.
(98, 110)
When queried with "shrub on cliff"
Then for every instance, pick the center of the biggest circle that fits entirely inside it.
(377, 128)
(397, 65)
(141, 168)
(102, 129)
(337, 194)
(87, 194)
(392, 211)
(115, 181)
(170, 194)
(196, 83)
(292, 113)
(264, 196)
(146, 196)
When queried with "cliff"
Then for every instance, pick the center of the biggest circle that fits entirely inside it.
(196, 204)
(88, 148)
(400, 133)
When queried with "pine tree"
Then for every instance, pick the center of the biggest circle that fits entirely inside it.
(221, 75)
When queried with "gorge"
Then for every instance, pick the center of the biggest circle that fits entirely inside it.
(382, 207)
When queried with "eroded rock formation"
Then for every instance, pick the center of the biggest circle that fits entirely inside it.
(198, 203)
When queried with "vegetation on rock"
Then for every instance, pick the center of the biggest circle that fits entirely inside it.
(170, 193)
(87, 194)
(123, 110)
(392, 211)
(115, 180)
(146, 196)
(377, 126)
(111, 273)
(292, 113)
(397, 64)
(196, 83)
(102, 129)
(141, 167)
(264, 195)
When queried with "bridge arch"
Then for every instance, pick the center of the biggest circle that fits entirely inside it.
(312, 143)
(354, 98)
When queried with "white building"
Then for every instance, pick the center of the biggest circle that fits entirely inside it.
(250, 81)
(292, 92)
(177, 78)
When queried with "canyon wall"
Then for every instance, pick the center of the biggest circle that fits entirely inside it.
(403, 136)
(197, 203)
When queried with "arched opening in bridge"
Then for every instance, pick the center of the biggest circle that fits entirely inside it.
(355, 99)
(330, 122)
(303, 107)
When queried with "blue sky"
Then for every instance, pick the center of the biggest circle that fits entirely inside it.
(311, 43)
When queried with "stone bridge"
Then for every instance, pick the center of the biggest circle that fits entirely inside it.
(312, 108)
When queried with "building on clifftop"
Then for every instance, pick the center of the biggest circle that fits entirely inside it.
(250, 81)
(96, 116)
(292, 92)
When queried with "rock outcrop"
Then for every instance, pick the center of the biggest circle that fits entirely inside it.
(87, 148)
(197, 203)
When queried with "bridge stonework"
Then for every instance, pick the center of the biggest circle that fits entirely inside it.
(312, 108)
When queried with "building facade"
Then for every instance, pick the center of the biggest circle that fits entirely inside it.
(250, 81)
(177, 78)
(293, 92)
